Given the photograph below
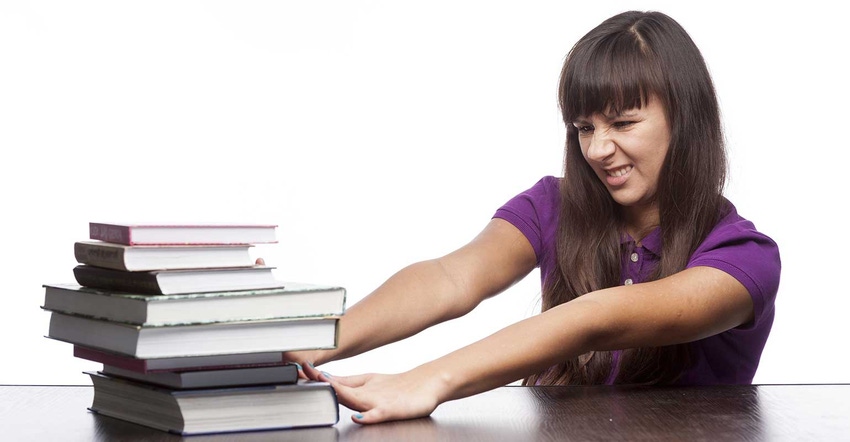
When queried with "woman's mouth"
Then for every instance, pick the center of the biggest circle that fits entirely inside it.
(618, 176)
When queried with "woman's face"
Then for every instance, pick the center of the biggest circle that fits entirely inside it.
(626, 151)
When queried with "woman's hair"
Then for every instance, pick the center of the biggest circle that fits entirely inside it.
(622, 64)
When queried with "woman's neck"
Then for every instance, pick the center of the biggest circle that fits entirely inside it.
(640, 222)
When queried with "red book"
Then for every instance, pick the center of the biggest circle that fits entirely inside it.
(185, 234)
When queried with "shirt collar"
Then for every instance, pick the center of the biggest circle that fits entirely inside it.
(652, 242)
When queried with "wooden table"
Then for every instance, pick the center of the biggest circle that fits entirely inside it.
(752, 413)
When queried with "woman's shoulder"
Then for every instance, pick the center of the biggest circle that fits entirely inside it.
(547, 188)
(548, 184)
(541, 197)
(734, 227)
(550, 181)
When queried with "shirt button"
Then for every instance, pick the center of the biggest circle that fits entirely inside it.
(634, 257)
(629, 281)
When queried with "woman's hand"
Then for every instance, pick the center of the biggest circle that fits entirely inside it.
(380, 397)
(305, 359)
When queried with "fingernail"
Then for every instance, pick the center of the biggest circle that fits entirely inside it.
(300, 368)
(328, 375)
(311, 365)
(358, 416)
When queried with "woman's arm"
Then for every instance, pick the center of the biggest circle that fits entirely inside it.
(430, 292)
(693, 304)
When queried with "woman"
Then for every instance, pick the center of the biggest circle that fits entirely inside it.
(644, 171)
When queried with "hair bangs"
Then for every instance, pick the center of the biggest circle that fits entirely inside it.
(608, 76)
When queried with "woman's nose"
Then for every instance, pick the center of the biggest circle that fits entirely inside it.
(601, 147)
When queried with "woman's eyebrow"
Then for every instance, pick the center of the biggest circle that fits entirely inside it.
(628, 113)
(610, 115)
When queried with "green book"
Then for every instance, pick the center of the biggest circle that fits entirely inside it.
(292, 300)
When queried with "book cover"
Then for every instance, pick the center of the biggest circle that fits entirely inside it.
(217, 410)
(212, 378)
(169, 282)
(195, 339)
(182, 234)
(224, 361)
(292, 300)
(143, 258)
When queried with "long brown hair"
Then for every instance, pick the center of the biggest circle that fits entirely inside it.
(618, 66)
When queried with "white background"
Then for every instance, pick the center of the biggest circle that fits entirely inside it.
(380, 133)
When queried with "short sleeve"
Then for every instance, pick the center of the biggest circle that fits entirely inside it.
(751, 257)
(534, 212)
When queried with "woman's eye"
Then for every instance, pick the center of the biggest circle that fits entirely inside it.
(623, 124)
(584, 128)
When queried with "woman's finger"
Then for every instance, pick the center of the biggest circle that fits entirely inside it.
(348, 381)
(373, 416)
(348, 396)
(311, 372)
(301, 374)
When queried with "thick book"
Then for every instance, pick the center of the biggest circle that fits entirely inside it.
(196, 339)
(225, 361)
(142, 258)
(172, 282)
(177, 234)
(220, 410)
(292, 300)
(212, 378)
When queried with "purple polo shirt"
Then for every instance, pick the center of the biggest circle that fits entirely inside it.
(733, 246)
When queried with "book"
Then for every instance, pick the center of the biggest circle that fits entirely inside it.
(225, 361)
(171, 282)
(216, 410)
(292, 300)
(141, 258)
(162, 234)
(195, 339)
(216, 377)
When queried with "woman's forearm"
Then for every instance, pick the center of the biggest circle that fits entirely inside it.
(415, 298)
(522, 349)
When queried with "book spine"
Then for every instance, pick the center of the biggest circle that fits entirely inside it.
(92, 254)
(106, 279)
(110, 233)
(137, 365)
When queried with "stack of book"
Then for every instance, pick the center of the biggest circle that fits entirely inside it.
(191, 333)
